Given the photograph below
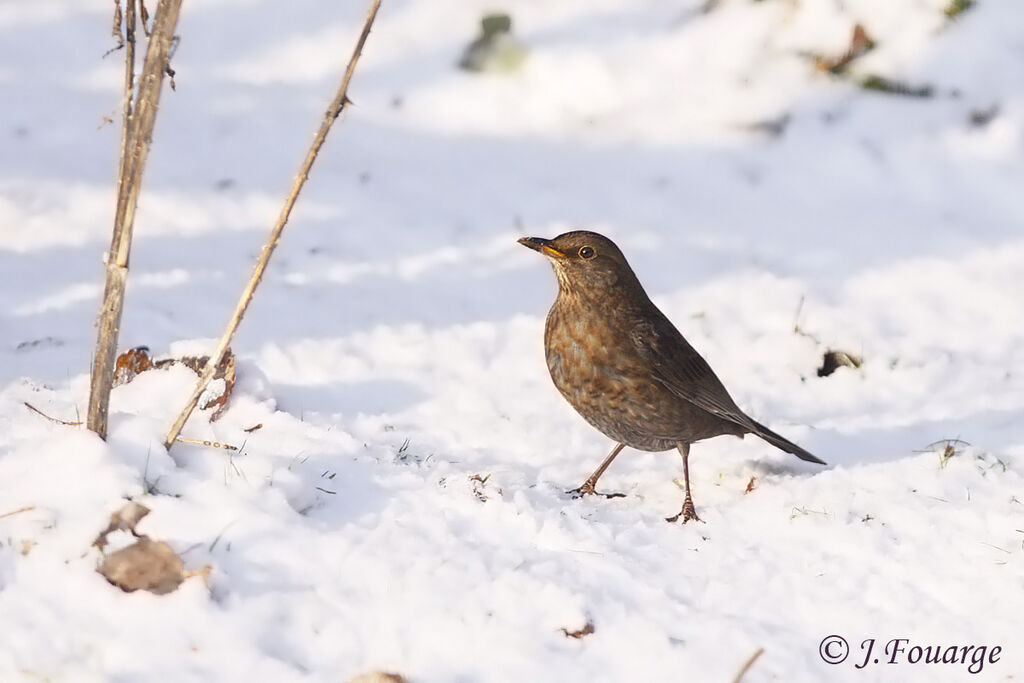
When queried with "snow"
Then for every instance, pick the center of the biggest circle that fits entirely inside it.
(402, 506)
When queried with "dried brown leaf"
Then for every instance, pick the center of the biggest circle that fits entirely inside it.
(145, 565)
(225, 371)
(587, 629)
(751, 484)
(125, 519)
(131, 363)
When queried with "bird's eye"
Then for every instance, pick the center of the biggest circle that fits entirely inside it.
(587, 253)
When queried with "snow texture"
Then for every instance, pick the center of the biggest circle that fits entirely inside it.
(403, 505)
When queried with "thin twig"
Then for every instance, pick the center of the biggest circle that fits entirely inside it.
(211, 444)
(116, 30)
(27, 508)
(139, 118)
(144, 15)
(746, 667)
(340, 100)
(51, 419)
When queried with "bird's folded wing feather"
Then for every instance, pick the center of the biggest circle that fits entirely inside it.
(682, 370)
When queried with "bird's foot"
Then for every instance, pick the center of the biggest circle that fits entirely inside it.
(687, 513)
(588, 490)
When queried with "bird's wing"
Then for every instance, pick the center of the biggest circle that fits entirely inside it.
(683, 371)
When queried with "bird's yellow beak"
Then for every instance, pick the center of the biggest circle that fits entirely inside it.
(542, 245)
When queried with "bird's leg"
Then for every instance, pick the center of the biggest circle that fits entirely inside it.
(688, 512)
(591, 482)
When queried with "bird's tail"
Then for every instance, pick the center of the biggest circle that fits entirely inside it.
(784, 444)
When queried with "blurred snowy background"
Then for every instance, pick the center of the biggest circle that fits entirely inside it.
(762, 168)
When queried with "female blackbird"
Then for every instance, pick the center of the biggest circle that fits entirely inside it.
(625, 368)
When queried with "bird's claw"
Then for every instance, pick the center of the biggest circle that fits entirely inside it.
(588, 490)
(687, 513)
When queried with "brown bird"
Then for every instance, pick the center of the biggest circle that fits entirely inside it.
(625, 368)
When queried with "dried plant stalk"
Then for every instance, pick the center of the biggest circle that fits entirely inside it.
(335, 109)
(749, 663)
(136, 135)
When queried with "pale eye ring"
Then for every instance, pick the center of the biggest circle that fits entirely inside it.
(587, 253)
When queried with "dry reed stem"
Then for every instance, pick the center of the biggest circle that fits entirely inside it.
(136, 136)
(335, 109)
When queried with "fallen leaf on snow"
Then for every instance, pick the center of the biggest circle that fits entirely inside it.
(145, 565)
(131, 363)
(219, 390)
(135, 361)
(124, 519)
(587, 629)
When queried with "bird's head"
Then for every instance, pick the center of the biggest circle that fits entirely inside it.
(584, 261)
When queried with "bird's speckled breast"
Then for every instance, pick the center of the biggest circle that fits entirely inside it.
(606, 383)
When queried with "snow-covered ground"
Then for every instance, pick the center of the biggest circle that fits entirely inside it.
(402, 507)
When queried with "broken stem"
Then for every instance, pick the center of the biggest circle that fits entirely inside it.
(335, 109)
(51, 419)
